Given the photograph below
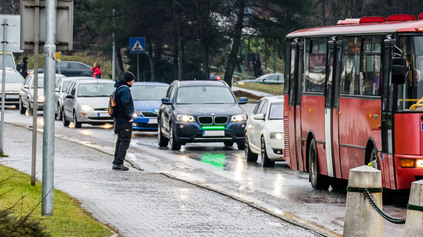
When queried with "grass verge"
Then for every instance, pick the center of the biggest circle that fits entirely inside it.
(268, 88)
(68, 219)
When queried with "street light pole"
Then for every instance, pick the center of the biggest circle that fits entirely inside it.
(3, 85)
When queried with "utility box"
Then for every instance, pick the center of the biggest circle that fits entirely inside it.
(29, 26)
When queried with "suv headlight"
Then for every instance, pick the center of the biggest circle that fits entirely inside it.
(239, 118)
(185, 118)
(86, 108)
(276, 135)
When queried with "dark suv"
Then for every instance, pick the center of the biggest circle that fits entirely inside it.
(201, 111)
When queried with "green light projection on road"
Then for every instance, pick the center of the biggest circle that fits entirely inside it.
(217, 160)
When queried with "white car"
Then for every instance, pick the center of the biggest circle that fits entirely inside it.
(26, 94)
(62, 85)
(87, 101)
(264, 132)
(14, 81)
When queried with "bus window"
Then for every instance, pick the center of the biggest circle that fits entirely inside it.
(370, 68)
(351, 76)
(315, 65)
(410, 94)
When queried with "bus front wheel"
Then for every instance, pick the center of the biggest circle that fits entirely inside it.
(317, 180)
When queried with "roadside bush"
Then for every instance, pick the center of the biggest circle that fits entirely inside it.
(13, 226)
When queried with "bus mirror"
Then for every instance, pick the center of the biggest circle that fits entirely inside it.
(399, 70)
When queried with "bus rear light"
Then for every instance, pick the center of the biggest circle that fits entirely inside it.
(419, 163)
(407, 163)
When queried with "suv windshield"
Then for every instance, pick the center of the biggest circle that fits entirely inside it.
(148, 92)
(276, 111)
(95, 89)
(205, 95)
(410, 94)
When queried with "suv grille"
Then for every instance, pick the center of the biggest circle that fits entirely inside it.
(220, 119)
(205, 120)
(211, 120)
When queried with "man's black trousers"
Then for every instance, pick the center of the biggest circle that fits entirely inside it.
(124, 133)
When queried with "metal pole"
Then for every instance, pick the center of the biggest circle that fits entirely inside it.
(3, 85)
(48, 135)
(35, 88)
(114, 49)
(138, 68)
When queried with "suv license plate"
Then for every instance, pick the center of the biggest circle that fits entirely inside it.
(214, 133)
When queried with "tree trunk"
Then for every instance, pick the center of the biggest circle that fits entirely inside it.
(181, 55)
(119, 66)
(206, 62)
(151, 60)
(236, 43)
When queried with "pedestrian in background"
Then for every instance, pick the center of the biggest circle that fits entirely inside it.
(124, 111)
(96, 70)
(23, 70)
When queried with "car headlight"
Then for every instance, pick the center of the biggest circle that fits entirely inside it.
(240, 83)
(134, 115)
(86, 108)
(185, 118)
(276, 135)
(239, 118)
(41, 98)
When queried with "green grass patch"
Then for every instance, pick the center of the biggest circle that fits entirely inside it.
(268, 88)
(68, 219)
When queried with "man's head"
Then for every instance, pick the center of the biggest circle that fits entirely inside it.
(25, 59)
(129, 77)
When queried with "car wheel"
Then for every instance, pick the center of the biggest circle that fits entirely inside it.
(65, 122)
(240, 145)
(265, 161)
(317, 180)
(174, 144)
(162, 140)
(22, 109)
(57, 112)
(75, 121)
(228, 143)
(251, 157)
(30, 111)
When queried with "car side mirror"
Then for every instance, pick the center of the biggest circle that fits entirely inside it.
(166, 101)
(258, 117)
(56, 89)
(243, 100)
(26, 86)
(399, 70)
(69, 96)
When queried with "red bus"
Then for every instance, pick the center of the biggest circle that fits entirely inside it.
(354, 96)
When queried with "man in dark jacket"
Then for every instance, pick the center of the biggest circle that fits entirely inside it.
(124, 112)
(24, 67)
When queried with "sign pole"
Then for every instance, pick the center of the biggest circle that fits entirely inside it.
(3, 84)
(138, 68)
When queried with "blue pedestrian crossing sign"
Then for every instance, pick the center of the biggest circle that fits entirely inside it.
(137, 44)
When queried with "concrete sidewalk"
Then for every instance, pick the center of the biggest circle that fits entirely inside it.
(140, 203)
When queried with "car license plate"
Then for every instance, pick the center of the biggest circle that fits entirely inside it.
(214, 133)
(102, 115)
(152, 121)
(11, 96)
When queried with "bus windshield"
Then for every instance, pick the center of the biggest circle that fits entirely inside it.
(410, 94)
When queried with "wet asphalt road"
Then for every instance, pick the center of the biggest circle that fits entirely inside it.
(278, 190)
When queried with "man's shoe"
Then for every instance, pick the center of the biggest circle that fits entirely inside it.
(120, 167)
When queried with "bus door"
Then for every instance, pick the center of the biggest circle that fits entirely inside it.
(332, 109)
(294, 115)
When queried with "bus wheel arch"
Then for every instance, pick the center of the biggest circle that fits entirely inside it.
(310, 137)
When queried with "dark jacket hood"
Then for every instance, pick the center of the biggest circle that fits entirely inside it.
(121, 82)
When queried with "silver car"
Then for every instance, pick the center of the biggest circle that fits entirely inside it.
(26, 94)
(62, 84)
(14, 81)
(86, 101)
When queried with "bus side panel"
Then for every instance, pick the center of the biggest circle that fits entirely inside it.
(335, 132)
(387, 169)
(291, 133)
(312, 119)
(359, 119)
(407, 134)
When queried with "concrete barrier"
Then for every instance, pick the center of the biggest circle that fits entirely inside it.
(360, 217)
(414, 223)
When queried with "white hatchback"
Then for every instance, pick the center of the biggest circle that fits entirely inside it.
(264, 132)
